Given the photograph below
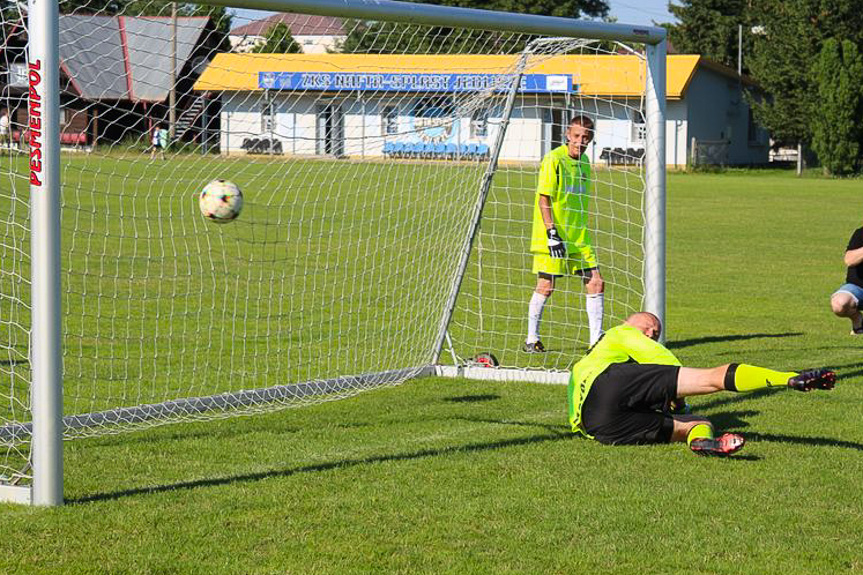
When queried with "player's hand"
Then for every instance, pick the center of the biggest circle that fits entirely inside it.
(556, 247)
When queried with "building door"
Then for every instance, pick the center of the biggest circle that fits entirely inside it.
(558, 127)
(553, 128)
(330, 130)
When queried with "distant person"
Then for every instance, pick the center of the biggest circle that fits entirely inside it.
(845, 302)
(159, 141)
(5, 129)
(624, 390)
(560, 241)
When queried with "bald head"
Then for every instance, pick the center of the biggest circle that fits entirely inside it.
(646, 323)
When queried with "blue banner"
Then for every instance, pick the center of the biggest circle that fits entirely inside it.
(399, 82)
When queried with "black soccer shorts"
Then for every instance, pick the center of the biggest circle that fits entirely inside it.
(624, 402)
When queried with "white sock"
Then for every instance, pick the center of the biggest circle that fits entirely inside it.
(594, 303)
(534, 314)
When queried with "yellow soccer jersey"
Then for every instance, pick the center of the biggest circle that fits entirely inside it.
(567, 183)
(619, 345)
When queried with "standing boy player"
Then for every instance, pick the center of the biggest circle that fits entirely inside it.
(560, 241)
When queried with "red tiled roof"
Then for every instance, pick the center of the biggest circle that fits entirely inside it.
(299, 24)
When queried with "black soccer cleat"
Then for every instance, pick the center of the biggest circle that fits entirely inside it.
(723, 446)
(535, 347)
(813, 379)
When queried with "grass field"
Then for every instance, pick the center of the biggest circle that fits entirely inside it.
(334, 268)
(453, 476)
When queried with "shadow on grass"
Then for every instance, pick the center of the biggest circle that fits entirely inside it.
(732, 419)
(475, 447)
(848, 370)
(472, 398)
(553, 427)
(804, 440)
(726, 338)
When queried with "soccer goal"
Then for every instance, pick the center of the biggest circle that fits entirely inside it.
(388, 156)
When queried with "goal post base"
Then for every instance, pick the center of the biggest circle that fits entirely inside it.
(245, 402)
(22, 494)
(503, 374)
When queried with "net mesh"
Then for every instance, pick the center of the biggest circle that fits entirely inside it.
(361, 150)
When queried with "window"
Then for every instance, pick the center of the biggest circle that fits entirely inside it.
(267, 115)
(18, 75)
(479, 123)
(755, 134)
(638, 127)
(434, 107)
(390, 117)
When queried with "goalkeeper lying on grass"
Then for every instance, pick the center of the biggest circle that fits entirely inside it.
(626, 389)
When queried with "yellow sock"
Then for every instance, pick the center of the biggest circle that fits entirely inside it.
(700, 431)
(742, 377)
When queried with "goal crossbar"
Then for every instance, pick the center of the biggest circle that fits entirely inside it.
(472, 18)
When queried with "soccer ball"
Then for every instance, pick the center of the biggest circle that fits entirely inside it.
(221, 201)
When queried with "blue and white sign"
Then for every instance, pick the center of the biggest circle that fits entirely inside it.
(398, 82)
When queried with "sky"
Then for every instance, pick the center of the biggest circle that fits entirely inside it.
(643, 12)
(640, 11)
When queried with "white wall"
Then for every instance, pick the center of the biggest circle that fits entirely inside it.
(309, 44)
(318, 44)
(717, 110)
(240, 119)
(676, 131)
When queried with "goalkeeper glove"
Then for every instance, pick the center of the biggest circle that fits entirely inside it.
(556, 247)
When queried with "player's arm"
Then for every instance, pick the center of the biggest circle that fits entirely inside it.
(853, 257)
(854, 251)
(547, 184)
(545, 210)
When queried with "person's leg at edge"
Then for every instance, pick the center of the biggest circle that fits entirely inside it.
(594, 303)
(844, 304)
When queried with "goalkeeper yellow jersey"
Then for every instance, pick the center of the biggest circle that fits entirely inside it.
(567, 183)
(620, 344)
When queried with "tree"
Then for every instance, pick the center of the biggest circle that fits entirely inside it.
(388, 37)
(783, 57)
(838, 115)
(278, 40)
(711, 28)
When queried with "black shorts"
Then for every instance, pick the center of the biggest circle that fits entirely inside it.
(625, 404)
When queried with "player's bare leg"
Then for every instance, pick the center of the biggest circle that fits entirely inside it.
(544, 289)
(594, 303)
(844, 305)
(743, 377)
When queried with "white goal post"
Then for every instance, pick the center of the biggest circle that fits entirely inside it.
(229, 328)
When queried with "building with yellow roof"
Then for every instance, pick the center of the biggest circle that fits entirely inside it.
(375, 105)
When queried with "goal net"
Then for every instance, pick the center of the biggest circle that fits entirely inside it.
(388, 173)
